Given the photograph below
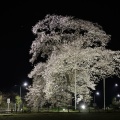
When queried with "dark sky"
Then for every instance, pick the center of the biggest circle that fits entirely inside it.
(17, 19)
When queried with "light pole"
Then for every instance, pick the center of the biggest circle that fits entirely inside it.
(104, 91)
(75, 87)
(20, 92)
(24, 84)
(116, 85)
(96, 93)
(118, 95)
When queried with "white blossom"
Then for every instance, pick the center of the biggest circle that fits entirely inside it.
(72, 45)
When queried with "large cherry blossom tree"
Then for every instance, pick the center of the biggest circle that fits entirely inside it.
(76, 50)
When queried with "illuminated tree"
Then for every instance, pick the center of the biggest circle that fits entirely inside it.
(91, 65)
(54, 31)
(36, 97)
(71, 45)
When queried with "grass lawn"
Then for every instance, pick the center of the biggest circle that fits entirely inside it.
(61, 116)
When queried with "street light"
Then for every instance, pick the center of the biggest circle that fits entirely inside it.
(116, 85)
(104, 91)
(25, 84)
(75, 87)
(118, 95)
(96, 93)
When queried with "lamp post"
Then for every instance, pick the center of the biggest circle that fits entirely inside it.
(75, 80)
(96, 93)
(104, 91)
(75, 88)
(20, 91)
(24, 84)
(116, 85)
(118, 95)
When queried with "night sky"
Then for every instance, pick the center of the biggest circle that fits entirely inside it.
(17, 19)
